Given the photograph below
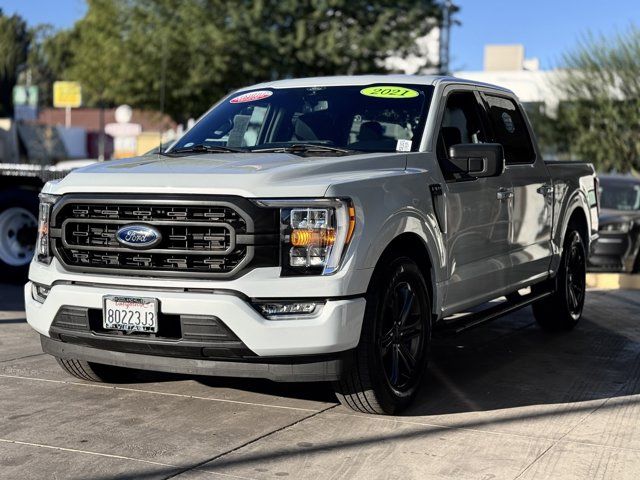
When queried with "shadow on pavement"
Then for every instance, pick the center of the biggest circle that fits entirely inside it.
(12, 320)
(530, 367)
(509, 364)
(342, 442)
(318, 391)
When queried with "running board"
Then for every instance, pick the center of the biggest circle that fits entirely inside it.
(455, 326)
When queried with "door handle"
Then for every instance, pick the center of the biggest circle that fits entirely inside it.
(505, 194)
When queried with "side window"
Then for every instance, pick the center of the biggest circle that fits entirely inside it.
(461, 123)
(510, 130)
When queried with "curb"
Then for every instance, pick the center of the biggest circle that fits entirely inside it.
(613, 281)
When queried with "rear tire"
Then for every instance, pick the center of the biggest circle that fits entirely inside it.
(94, 372)
(562, 310)
(18, 232)
(391, 358)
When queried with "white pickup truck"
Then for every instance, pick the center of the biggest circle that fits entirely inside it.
(313, 230)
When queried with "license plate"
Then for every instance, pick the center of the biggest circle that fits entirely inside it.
(130, 314)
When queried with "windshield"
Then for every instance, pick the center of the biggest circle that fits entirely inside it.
(385, 118)
(620, 196)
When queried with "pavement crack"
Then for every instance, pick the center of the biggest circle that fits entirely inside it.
(561, 438)
(199, 465)
(20, 358)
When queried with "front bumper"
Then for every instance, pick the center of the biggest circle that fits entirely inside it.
(614, 252)
(336, 328)
(328, 368)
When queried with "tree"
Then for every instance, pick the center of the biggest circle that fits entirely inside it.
(49, 58)
(98, 51)
(602, 115)
(14, 45)
(199, 50)
(288, 38)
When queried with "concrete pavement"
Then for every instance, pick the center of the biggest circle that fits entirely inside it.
(503, 401)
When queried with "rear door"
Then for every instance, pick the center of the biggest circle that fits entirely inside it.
(530, 233)
(477, 209)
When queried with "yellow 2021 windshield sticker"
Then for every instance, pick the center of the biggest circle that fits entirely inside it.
(389, 91)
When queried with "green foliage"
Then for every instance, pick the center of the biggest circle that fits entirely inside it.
(119, 50)
(288, 38)
(97, 59)
(14, 44)
(544, 127)
(50, 55)
(602, 114)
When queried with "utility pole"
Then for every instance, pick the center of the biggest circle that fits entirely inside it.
(101, 139)
(163, 85)
(445, 32)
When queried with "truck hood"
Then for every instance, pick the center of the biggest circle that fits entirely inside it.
(243, 174)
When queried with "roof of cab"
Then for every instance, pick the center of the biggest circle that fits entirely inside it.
(368, 80)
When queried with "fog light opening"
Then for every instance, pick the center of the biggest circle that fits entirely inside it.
(288, 309)
(39, 292)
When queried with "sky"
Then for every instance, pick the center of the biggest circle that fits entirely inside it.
(546, 28)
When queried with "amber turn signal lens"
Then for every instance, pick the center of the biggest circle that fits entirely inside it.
(352, 223)
(319, 238)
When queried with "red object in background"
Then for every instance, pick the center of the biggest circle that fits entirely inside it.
(93, 145)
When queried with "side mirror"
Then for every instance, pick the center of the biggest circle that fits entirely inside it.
(477, 159)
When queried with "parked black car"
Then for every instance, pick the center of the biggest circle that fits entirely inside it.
(617, 248)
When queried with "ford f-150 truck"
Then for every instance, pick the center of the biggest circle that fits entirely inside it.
(313, 230)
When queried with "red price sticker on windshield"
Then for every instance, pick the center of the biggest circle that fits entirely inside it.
(252, 96)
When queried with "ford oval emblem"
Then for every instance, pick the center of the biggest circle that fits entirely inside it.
(138, 236)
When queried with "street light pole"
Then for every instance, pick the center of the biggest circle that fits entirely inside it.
(101, 134)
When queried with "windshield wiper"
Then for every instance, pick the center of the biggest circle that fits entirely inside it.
(201, 148)
(306, 148)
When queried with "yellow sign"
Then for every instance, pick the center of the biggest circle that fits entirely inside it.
(67, 94)
(386, 91)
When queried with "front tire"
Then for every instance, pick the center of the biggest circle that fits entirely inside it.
(562, 310)
(391, 358)
(94, 372)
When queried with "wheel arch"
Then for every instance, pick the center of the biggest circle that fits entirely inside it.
(412, 245)
(575, 213)
(578, 219)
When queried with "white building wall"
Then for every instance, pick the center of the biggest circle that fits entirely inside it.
(529, 86)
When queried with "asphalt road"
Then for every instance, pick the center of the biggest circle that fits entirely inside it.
(505, 401)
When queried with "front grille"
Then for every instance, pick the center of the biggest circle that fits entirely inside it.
(208, 237)
(193, 237)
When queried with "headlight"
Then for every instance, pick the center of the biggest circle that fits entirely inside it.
(314, 234)
(43, 247)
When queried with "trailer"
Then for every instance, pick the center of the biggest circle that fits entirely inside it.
(20, 185)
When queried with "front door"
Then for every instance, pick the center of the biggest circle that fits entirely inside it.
(478, 211)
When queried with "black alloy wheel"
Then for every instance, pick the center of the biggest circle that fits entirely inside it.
(401, 341)
(390, 360)
(562, 310)
(576, 278)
